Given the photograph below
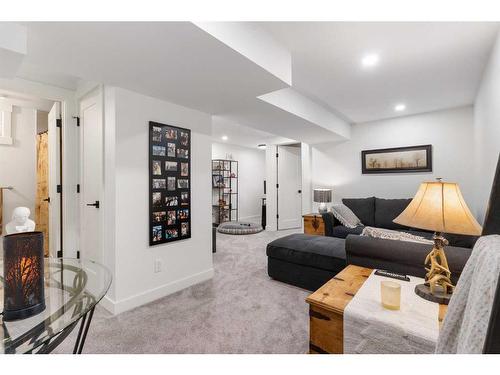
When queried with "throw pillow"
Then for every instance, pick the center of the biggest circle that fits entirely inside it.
(388, 234)
(344, 214)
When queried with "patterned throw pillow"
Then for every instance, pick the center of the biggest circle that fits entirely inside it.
(344, 214)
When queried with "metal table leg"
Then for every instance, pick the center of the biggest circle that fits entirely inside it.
(82, 332)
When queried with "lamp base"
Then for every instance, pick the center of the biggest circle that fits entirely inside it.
(439, 296)
(322, 209)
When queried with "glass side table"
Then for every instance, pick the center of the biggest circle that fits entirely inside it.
(73, 288)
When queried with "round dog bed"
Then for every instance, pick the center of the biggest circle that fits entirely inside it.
(239, 227)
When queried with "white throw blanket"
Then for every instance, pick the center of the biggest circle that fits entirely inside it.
(369, 328)
(389, 234)
(466, 322)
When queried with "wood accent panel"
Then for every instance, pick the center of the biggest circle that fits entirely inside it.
(314, 224)
(42, 189)
(327, 305)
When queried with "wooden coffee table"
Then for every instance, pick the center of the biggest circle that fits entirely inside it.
(326, 310)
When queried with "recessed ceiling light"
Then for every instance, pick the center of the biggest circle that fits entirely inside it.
(224, 138)
(370, 60)
(400, 107)
(262, 146)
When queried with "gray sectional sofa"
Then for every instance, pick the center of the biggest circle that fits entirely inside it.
(309, 261)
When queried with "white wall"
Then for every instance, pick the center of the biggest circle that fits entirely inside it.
(184, 262)
(251, 168)
(449, 131)
(487, 131)
(18, 163)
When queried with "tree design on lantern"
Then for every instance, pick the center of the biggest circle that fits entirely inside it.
(23, 275)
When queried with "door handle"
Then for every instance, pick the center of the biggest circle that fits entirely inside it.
(47, 199)
(300, 191)
(96, 204)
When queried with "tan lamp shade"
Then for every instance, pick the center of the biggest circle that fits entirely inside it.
(439, 206)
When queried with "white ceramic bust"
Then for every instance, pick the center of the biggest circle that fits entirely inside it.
(20, 222)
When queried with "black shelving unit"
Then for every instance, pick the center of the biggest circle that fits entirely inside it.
(224, 191)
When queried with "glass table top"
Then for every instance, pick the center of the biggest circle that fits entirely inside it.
(72, 288)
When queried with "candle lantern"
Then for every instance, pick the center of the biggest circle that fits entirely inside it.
(23, 275)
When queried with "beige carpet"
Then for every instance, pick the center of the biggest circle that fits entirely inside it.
(241, 310)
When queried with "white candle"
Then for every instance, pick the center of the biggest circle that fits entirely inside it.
(390, 293)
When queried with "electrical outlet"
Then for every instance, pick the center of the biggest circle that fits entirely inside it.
(157, 265)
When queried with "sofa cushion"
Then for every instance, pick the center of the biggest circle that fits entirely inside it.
(456, 240)
(400, 256)
(341, 231)
(363, 208)
(306, 277)
(461, 240)
(322, 252)
(386, 210)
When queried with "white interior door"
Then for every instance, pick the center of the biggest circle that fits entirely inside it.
(54, 139)
(91, 205)
(289, 188)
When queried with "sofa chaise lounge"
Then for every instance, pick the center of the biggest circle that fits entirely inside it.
(309, 261)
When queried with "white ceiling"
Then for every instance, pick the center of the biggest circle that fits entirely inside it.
(428, 66)
(269, 118)
(23, 100)
(175, 61)
(171, 60)
(243, 135)
(44, 74)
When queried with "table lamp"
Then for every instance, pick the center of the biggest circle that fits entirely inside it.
(439, 207)
(322, 196)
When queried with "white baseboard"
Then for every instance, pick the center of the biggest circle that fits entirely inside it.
(117, 307)
(108, 304)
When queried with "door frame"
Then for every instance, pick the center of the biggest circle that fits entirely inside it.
(56, 192)
(278, 180)
(97, 94)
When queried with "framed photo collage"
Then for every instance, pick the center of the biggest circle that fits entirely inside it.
(170, 183)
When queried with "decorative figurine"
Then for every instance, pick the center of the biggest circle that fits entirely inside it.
(20, 222)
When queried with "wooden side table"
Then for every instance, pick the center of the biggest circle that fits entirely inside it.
(314, 224)
(326, 310)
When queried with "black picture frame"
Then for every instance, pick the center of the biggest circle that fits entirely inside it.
(169, 183)
(370, 166)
